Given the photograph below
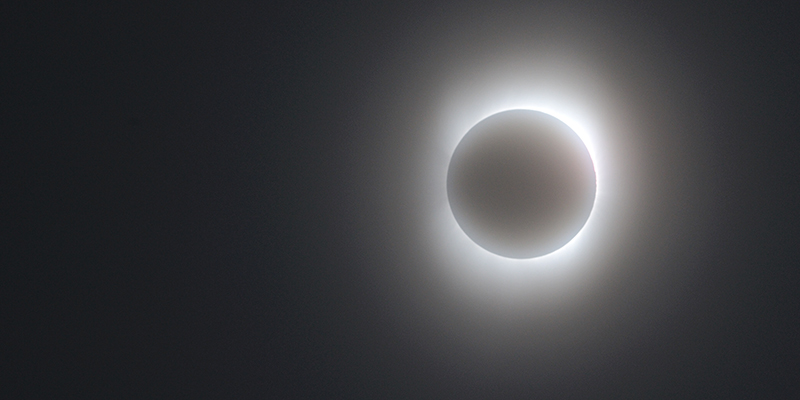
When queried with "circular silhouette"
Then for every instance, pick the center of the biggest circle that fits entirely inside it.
(521, 184)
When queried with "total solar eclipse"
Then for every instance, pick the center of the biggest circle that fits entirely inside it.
(521, 184)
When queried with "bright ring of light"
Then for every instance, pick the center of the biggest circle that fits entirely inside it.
(583, 134)
(593, 116)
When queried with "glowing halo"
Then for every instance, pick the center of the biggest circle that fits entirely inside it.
(442, 288)
(583, 133)
(587, 114)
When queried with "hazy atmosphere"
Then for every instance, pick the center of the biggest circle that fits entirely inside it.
(253, 201)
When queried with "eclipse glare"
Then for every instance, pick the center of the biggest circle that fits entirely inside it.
(521, 184)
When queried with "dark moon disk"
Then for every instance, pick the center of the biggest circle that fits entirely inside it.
(521, 184)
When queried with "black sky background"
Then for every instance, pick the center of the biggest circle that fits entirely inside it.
(198, 203)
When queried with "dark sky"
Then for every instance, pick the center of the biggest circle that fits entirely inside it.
(231, 202)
